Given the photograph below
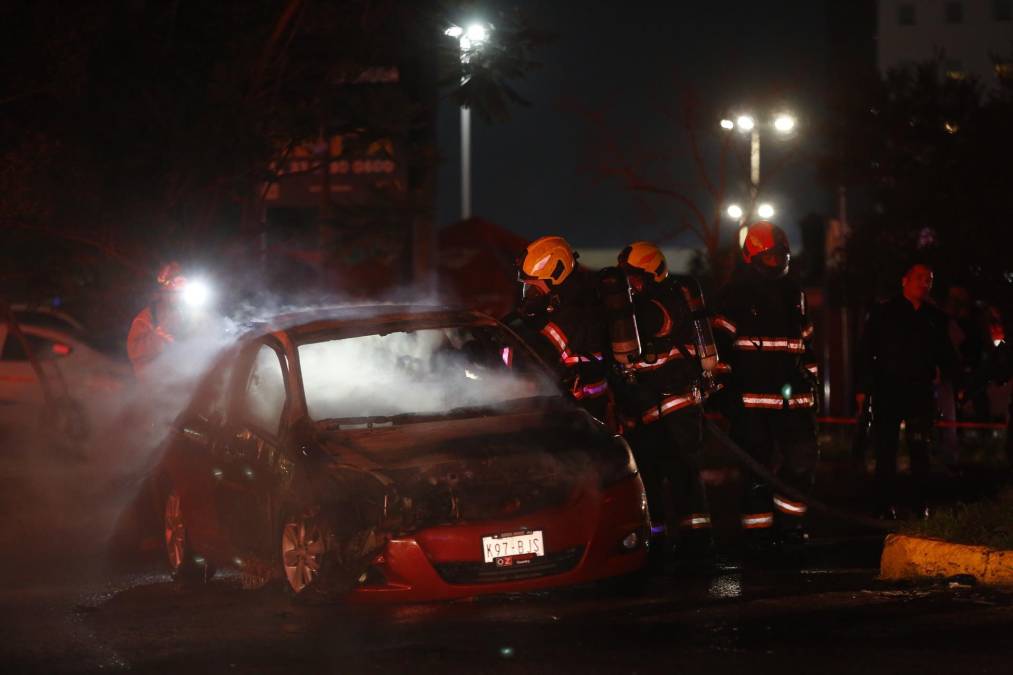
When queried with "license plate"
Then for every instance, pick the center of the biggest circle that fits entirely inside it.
(513, 548)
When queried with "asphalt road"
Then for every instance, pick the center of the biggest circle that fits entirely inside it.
(67, 605)
(100, 617)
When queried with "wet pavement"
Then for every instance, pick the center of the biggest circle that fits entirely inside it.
(68, 605)
(101, 618)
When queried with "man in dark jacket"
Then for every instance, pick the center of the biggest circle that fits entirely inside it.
(904, 350)
(764, 335)
(560, 317)
(660, 396)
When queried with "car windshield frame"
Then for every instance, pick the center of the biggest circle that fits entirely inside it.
(324, 331)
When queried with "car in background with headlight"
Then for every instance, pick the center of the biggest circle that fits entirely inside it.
(395, 454)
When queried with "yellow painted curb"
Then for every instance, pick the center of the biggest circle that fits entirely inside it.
(907, 557)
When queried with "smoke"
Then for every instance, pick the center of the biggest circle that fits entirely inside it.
(83, 497)
(423, 372)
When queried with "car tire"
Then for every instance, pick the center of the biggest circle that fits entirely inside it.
(186, 566)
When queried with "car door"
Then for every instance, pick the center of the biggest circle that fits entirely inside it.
(191, 465)
(250, 448)
(20, 389)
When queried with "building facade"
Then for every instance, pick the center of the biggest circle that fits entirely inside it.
(970, 37)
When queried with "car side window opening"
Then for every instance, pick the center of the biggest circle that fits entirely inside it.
(264, 398)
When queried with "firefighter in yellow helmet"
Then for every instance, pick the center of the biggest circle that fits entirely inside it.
(660, 398)
(559, 314)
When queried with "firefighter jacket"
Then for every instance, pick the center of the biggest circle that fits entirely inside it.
(765, 341)
(668, 373)
(903, 348)
(566, 329)
(151, 332)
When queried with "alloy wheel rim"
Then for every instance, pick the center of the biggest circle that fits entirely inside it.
(175, 531)
(302, 552)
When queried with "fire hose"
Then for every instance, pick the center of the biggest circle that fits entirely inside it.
(763, 472)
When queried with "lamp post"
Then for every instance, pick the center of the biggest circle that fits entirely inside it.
(782, 123)
(469, 40)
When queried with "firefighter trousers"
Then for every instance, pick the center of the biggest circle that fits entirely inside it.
(784, 441)
(668, 454)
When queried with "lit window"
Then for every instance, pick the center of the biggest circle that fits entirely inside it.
(1002, 10)
(1004, 70)
(954, 12)
(906, 14)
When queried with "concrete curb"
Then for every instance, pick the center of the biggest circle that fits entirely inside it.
(907, 557)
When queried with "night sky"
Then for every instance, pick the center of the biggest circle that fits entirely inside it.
(532, 174)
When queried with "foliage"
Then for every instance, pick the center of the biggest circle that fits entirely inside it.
(133, 131)
(986, 523)
(932, 155)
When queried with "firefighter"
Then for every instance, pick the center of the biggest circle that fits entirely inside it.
(161, 323)
(660, 398)
(560, 316)
(904, 351)
(765, 337)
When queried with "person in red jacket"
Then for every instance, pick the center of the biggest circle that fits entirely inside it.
(765, 336)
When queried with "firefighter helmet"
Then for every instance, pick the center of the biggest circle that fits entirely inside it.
(765, 246)
(546, 263)
(645, 258)
(170, 277)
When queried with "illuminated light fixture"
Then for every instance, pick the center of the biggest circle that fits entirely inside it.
(765, 211)
(786, 392)
(784, 123)
(951, 127)
(745, 123)
(454, 32)
(734, 211)
(727, 124)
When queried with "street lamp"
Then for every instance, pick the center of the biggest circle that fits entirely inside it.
(765, 211)
(734, 211)
(783, 123)
(469, 40)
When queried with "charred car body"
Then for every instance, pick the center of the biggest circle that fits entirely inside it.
(394, 453)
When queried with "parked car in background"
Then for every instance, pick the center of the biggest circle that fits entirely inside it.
(81, 374)
(395, 454)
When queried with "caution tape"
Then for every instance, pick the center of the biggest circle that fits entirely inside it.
(942, 424)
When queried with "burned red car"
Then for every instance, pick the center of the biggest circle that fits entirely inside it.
(401, 454)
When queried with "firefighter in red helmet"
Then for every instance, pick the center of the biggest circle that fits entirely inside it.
(559, 315)
(164, 320)
(660, 397)
(765, 336)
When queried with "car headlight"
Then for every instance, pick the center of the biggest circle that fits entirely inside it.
(619, 465)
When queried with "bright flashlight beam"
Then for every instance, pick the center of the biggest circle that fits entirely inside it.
(477, 33)
(196, 293)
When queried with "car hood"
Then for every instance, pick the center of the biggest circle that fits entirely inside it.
(479, 468)
(477, 439)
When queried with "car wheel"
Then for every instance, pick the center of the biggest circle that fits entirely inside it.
(185, 565)
(304, 548)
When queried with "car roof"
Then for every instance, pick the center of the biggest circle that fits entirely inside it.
(312, 324)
